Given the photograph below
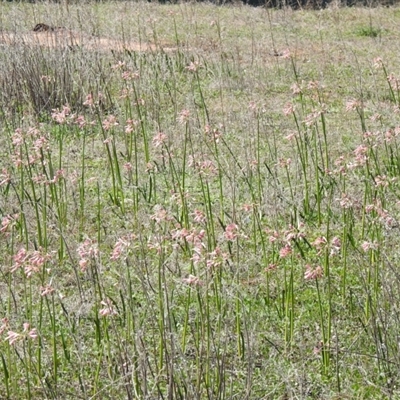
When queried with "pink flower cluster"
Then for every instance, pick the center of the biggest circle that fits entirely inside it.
(15, 337)
(87, 251)
(31, 261)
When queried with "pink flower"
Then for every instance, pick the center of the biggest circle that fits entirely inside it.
(108, 309)
(288, 109)
(192, 281)
(335, 245)
(61, 116)
(183, 117)
(311, 273)
(231, 232)
(295, 88)
(5, 177)
(271, 267)
(366, 246)
(285, 251)
(8, 222)
(80, 121)
(160, 214)
(319, 243)
(199, 216)
(353, 105)
(159, 139)
(89, 100)
(19, 259)
(286, 54)
(46, 290)
(193, 66)
(87, 250)
(12, 337)
(130, 126)
(214, 134)
(109, 122)
(377, 62)
(30, 333)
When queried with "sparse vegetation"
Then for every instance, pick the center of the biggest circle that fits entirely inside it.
(216, 220)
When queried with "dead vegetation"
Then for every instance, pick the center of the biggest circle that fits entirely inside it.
(49, 36)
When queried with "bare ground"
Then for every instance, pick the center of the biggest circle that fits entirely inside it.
(67, 38)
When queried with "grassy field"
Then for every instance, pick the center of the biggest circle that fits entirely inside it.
(215, 216)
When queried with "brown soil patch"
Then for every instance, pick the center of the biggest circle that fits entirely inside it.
(61, 37)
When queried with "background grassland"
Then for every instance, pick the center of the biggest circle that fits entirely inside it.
(214, 218)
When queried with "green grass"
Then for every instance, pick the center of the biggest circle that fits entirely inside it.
(219, 221)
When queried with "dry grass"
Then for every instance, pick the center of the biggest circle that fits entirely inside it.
(62, 38)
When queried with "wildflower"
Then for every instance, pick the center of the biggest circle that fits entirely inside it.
(61, 116)
(288, 109)
(130, 75)
(231, 232)
(108, 309)
(87, 250)
(121, 246)
(58, 176)
(313, 273)
(4, 325)
(381, 181)
(199, 216)
(247, 207)
(271, 267)
(361, 156)
(319, 243)
(109, 122)
(213, 133)
(5, 177)
(366, 246)
(130, 125)
(8, 222)
(253, 106)
(393, 81)
(192, 280)
(346, 202)
(295, 88)
(159, 139)
(89, 100)
(19, 259)
(193, 66)
(353, 105)
(160, 214)
(120, 65)
(376, 117)
(41, 143)
(30, 333)
(183, 117)
(128, 167)
(312, 117)
(208, 168)
(46, 290)
(13, 337)
(216, 258)
(314, 85)
(294, 233)
(291, 136)
(80, 121)
(335, 245)
(377, 62)
(284, 163)
(285, 251)
(17, 138)
(286, 54)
